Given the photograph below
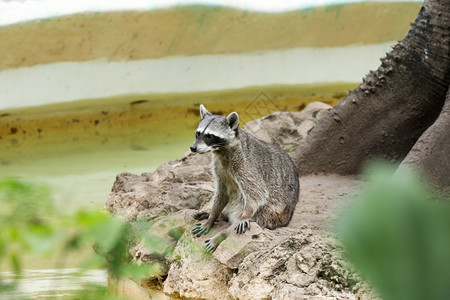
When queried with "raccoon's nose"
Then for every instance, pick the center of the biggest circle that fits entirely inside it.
(194, 148)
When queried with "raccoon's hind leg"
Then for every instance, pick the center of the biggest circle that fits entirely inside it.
(244, 220)
(242, 226)
(267, 217)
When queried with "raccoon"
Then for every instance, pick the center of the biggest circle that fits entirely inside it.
(254, 181)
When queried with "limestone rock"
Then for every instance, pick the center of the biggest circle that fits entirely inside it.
(303, 266)
(195, 274)
(236, 247)
(179, 184)
(287, 129)
(163, 236)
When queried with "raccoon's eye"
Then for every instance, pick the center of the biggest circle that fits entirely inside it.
(209, 139)
(197, 134)
(214, 141)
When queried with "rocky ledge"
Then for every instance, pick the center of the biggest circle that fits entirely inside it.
(300, 261)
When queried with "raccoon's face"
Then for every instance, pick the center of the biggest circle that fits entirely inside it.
(214, 132)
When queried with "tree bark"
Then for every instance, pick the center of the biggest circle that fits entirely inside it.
(394, 105)
(431, 153)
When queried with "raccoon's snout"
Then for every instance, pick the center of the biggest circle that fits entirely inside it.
(200, 148)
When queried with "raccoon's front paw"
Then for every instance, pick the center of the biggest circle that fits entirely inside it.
(212, 243)
(200, 229)
(242, 226)
(201, 215)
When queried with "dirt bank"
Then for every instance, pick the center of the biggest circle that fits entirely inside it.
(197, 30)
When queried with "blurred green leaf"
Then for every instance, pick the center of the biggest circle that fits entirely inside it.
(157, 245)
(106, 232)
(41, 239)
(141, 272)
(23, 203)
(399, 238)
(95, 261)
(176, 232)
(92, 292)
(15, 264)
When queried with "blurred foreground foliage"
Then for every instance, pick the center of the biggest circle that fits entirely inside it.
(30, 225)
(398, 236)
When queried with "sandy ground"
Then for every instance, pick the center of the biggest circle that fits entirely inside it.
(322, 199)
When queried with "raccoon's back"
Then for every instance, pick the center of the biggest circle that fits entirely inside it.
(279, 177)
(274, 166)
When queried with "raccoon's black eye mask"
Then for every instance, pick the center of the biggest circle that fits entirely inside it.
(210, 139)
(214, 141)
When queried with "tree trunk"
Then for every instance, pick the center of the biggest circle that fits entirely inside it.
(431, 153)
(385, 116)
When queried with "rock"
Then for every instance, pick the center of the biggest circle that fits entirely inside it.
(128, 289)
(163, 236)
(316, 110)
(179, 184)
(289, 291)
(287, 129)
(236, 247)
(195, 274)
(303, 266)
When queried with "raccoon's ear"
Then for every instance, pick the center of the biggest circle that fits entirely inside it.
(233, 120)
(203, 111)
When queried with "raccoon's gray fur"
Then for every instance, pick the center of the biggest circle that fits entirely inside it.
(254, 181)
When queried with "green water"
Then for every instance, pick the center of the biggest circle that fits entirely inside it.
(83, 180)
